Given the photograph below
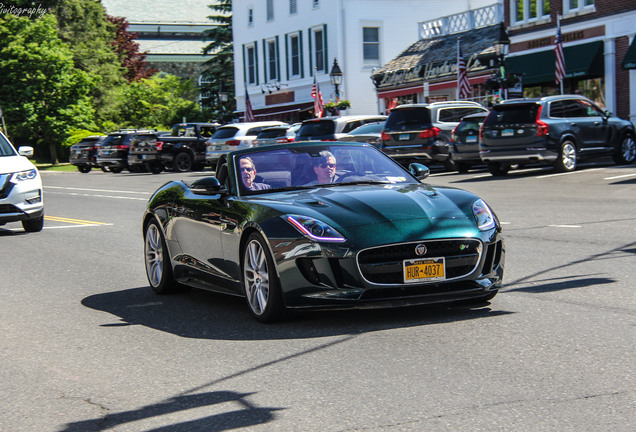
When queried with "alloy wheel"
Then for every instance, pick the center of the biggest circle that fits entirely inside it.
(256, 277)
(154, 255)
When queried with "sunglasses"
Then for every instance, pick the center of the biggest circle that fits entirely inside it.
(327, 165)
(247, 169)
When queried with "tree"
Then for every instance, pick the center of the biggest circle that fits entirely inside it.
(84, 26)
(42, 93)
(127, 50)
(159, 101)
(219, 70)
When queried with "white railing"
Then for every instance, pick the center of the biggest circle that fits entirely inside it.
(472, 19)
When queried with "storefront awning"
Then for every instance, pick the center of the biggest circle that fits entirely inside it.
(629, 61)
(580, 60)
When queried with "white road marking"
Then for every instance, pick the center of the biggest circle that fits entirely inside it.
(101, 196)
(98, 190)
(620, 176)
(566, 226)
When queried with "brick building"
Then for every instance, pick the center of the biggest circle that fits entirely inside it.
(597, 36)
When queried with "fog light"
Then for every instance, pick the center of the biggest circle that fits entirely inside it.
(35, 198)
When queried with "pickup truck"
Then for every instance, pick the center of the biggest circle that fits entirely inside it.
(183, 150)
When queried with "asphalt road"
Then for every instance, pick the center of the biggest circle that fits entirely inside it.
(86, 346)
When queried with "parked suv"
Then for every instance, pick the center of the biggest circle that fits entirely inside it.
(333, 128)
(112, 153)
(465, 142)
(21, 197)
(421, 132)
(235, 136)
(84, 152)
(553, 130)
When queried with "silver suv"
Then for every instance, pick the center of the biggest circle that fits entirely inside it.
(234, 136)
(421, 132)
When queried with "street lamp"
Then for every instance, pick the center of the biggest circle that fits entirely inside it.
(502, 47)
(336, 77)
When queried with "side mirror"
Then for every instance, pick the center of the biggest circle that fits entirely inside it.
(206, 186)
(419, 171)
(608, 113)
(26, 151)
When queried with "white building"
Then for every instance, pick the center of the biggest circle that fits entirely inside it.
(279, 45)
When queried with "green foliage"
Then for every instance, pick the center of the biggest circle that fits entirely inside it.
(84, 26)
(220, 68)
(158, 102)
(42, 93)
(76, 135)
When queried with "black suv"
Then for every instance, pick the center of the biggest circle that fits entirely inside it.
(83, 153)
(112, 153)
(421, 132)
(465, 142)
(553, 130)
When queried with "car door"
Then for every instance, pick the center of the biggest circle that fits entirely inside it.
(595, 126)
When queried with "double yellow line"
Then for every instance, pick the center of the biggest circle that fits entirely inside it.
(72, 221)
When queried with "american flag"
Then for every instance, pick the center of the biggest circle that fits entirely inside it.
(463, 85)
(249, 114)
(559, 68)
(315, 93)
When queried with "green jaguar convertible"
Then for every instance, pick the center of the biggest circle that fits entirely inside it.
(322, 225)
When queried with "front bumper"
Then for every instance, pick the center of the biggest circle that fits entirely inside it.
(22, 201)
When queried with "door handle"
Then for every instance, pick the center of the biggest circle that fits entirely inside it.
(597, 123)
(573, 124)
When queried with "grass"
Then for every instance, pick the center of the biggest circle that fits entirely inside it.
(59, 167)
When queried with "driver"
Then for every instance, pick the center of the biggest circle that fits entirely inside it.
(248, 174)
(325, 168)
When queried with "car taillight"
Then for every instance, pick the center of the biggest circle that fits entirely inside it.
(284, 140)
(385, 136)
(255, 142)
(120, 147)
(430, 132)
(159, 145)
(233, 142)
(542, 127)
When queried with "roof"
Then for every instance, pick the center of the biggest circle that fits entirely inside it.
(161, 11)
(418, 61)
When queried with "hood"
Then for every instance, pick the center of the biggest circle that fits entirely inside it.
(397, 212)
(11, 164)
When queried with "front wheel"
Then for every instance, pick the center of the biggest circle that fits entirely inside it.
(84, 168)
(157, 260)
(262, 288)
(33, 225)
(566, 162)
(116, 169)
(626, 152)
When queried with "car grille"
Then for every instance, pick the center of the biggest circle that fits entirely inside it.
(384, 265)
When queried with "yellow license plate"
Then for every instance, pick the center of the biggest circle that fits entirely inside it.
(428, 269)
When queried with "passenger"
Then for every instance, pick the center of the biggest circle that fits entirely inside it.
(248, 174)
(325, 168)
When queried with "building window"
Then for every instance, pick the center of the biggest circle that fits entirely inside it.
(270, 10)
(577, 5)
(250, 17)
(294, 55)
(530, 10)
(316, 4)
(371, 46)
(293, 7)
(250, 53)
(319, 50)
(272, 61)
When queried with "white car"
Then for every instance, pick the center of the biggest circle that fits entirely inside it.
(21, 197)
(234, 136)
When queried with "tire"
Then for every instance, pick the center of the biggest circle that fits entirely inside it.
(462, 167)
(566, 162)
(105, 169)
(33, 225)
(156, 168)
(84, 168)
(260, 282)
(626, 152)
(498, 170)
(182, 162)
(115, 169)
(157, 261)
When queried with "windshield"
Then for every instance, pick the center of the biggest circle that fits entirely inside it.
(6, 149)
(409, 118)
(512, 114)
(368, 129)
(313, 166)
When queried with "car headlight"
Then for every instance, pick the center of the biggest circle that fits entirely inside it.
(483, 215)
(24, 175)
(315, 229)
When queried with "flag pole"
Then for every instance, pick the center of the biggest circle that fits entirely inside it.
(559, 26)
